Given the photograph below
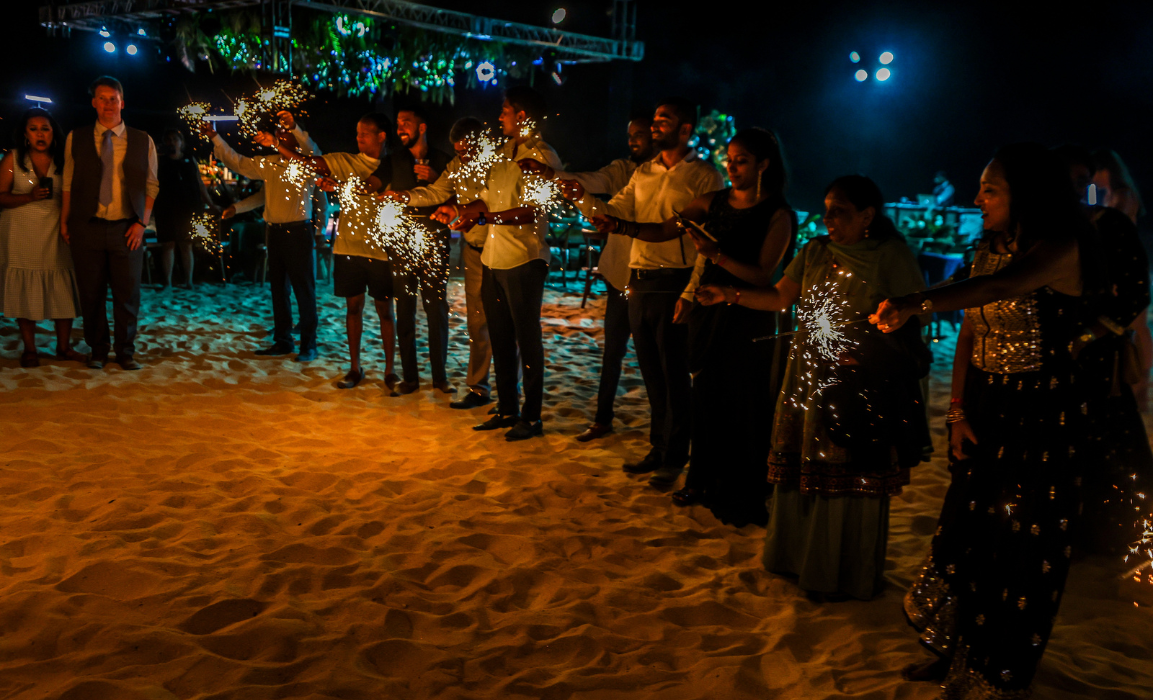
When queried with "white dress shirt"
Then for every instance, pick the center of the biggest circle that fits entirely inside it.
(512, 246)
(613, 263)
(466, 190)
(654, 192)
(285, 202)
(119, 208)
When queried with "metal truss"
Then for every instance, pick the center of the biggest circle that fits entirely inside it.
(569, 47)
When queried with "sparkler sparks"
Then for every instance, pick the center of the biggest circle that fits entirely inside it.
(206, 233)
(193, 115)
(255, 111)
(821, 316)
(543, 194)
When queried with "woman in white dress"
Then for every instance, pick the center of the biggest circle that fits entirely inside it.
(36, 277)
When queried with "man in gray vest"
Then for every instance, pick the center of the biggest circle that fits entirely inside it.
(110, 184)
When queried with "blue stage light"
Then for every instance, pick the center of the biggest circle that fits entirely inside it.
(131, 49)
(861, 75)
(883, 74)
(109, 47)
(485, 72)
(855, 57)
(559, 15)
(887, 58)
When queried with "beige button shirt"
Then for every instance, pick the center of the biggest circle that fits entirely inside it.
(512, 246)
(119, 207)
(352, 235)
(285, 201)
(654, 192)
(613, 263)
(466, 190)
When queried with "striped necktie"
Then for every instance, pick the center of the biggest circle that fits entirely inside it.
(106, 176)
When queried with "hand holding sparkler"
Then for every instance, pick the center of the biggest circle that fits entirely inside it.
(704, 246)
(535, 167)
(229, 212)
(402, 197)
(571, 190)
(891, 314)
(606, 223)
(446, 214)
(206, 131)
(711, 294)
(326, 183)
(286, 120)
(264, 138)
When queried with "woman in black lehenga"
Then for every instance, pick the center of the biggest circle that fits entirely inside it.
(987, 597)
(733, 383)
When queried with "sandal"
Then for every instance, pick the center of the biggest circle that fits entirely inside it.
(30, 359)
(70, 355)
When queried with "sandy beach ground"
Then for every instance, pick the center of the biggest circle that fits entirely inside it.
(220, 525)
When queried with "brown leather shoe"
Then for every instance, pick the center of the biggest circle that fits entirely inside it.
(594, 431)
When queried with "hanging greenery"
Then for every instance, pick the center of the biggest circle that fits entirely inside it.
(711, 140)
(355, 56)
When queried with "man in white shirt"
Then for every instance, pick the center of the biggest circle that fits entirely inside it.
(465, 190)
(289, 237)
(659, 274)
(110, 184)
(613, 266)
(514, 265)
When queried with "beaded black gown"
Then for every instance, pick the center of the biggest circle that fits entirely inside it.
(988, 595)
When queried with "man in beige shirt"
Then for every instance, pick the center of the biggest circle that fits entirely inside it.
(110, 184)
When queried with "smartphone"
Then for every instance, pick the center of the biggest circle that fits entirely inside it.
(46, 182)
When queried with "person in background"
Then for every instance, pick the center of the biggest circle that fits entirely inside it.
(415, 165)
(613, 266)
(182, 194)
(289, 239)
(359, 265)
(110, 185)
(514, 265)
(850, 420)
(943, 190)
(446, 187)
(755, 231)
(36, 273)
(659, 273)
(986, 599)
(1117, 190)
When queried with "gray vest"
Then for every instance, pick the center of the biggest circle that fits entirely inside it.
(87, 170)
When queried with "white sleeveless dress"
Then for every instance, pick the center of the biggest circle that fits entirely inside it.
(36, 275)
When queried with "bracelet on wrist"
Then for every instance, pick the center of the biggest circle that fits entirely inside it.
(955, 415)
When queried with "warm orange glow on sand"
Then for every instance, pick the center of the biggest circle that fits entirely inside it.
(223, 526)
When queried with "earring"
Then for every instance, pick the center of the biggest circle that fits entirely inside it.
(758, 186)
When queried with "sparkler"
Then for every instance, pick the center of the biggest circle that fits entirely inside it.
(299, 173)
(822, 316)
(206, 233)
(255, 110)
(543, 194)
(193, 114)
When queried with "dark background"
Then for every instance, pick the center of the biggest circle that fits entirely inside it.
(968, 76)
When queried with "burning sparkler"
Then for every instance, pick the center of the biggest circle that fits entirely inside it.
(193, 115)
(254, 111)
(543, 194)
(206, 233)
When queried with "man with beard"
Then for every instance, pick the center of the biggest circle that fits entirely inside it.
(419, 165)
(659, 273)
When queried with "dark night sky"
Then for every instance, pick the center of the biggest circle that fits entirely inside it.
(967, 77)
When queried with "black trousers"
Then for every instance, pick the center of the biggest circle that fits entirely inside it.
(103, 261)
(291, 263)
(432, 286)
(663, 355)
(617, 332)
(512, 300)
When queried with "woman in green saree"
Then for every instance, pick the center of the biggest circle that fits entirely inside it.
(850, 419)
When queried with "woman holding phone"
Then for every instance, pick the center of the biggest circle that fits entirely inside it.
(36, 277)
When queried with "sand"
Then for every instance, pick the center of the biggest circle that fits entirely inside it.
(220, 525)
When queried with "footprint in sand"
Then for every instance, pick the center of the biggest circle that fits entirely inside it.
(220, 615)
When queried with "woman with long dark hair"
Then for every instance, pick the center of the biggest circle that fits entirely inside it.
(987, 596)
(36, 277)
(754, 231)
(849, 421)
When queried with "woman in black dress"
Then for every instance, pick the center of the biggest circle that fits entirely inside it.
(182, 194)
(986, 598)
(755, 230)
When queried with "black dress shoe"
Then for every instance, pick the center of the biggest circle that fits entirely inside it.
(665, 476)
(687, 496)
(354, 377)
(307, 355)
(407, 387)
(523, 430)
(594, 431)
(497, 422)
(471, 400)
(97, 362)
(128, 363)
(494, 410)
(276, 350)
(390, 381)
(443, 387)
(650, 463)
(30, 359)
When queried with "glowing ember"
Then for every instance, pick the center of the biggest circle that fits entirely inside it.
(193, 115)
(543, 194)
(206, 233)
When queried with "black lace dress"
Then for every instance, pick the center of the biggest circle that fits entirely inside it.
(987, 596)
(732, 374)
